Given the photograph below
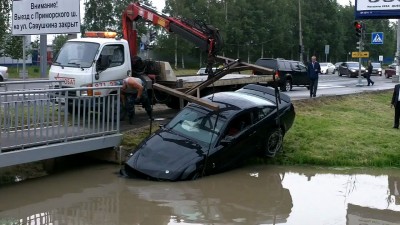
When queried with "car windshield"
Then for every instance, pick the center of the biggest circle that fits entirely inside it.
(198, 125)
(323, 64)
(77, 54)
(376, 65)
(355, 64)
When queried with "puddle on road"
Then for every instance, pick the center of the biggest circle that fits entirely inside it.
(249, 195)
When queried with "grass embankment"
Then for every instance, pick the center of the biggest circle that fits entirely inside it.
(349, 131)
(354, 130)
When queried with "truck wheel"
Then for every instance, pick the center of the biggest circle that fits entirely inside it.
(173, 103)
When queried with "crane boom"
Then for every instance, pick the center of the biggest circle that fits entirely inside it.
(206, 37)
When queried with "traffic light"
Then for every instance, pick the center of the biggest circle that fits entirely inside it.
(358, 27)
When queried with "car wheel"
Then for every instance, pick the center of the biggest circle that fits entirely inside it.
(274, 142)
(287, 86)
(339, 73)
(386, 75)
(196, 175)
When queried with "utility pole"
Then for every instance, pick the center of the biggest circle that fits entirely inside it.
(301, 48)
(360, 34)
(398, 49)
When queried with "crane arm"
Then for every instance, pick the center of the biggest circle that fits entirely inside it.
(206, 37)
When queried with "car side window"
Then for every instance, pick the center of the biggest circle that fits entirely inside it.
(295, 66)
(239, 124)
(261, 113)
(116, 54)
(281, 64)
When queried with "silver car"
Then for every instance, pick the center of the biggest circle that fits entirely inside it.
(3, 73)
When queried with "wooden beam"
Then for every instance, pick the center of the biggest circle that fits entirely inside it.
(218, 75)
(187, 97)
(250, 66)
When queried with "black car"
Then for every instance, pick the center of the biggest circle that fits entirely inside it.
(199, 141)
(290, 73)
(350, 69)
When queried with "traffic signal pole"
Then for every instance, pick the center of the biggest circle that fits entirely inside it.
(360, 44)
(360, 34)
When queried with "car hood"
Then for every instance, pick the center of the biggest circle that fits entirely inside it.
(165, 155)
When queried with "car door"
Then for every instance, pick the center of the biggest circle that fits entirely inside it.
(237, 142)
(343, 70)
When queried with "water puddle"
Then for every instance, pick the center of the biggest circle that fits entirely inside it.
(249, 195)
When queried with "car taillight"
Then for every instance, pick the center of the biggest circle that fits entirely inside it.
(277, 75)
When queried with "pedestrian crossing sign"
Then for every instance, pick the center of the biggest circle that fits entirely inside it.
(377, 38)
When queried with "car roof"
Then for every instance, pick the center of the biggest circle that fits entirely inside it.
(250, 96)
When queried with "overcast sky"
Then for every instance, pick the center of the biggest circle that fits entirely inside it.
(161, 3)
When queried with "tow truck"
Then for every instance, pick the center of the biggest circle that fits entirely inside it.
(100, 59)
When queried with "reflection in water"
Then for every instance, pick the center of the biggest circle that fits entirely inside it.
(249, 195)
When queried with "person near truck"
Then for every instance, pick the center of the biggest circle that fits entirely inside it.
(314, 69)
(134, 91)
(396, 103)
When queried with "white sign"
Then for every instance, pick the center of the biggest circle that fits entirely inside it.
(45, 17)
(377, 5)
(326, 49)
(380, 58)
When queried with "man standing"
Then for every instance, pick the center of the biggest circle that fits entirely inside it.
(396, 104)
(134, 91)
(313, 70)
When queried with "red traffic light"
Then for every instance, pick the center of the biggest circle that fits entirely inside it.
(357, 25)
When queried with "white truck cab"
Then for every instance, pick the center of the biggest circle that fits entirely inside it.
(92, 62)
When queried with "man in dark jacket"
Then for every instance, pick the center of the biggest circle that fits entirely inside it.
(313, 70)
(396, 104)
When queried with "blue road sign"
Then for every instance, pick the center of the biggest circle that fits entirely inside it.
(377, 38)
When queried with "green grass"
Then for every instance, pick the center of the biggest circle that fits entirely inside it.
(345, 131)
(33, 71)
(354, 130)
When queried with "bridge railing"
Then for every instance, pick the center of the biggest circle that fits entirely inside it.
(31, 118)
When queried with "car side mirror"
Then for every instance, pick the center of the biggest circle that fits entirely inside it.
(227, 140)
(103, 63)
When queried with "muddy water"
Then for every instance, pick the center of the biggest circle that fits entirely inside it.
(250, 195)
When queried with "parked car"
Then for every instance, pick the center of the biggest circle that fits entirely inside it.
(350, 69)
(376, 69)
(202, 71)
(390, 70)
(199, 141)
(3, 73)
(327, 68)
(290, 73)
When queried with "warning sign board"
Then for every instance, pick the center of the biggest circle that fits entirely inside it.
(360, 54)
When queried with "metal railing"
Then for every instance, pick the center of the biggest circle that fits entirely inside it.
(32, 118)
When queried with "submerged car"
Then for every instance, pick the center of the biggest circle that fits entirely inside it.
(199, 141)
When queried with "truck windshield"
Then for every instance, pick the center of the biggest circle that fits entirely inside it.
(77, 54)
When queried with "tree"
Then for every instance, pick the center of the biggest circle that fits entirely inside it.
(58, 42)
(13, 48)
(4, 23)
